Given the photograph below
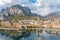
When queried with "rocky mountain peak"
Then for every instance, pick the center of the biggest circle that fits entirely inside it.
(17, 9)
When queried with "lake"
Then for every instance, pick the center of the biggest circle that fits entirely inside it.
(34, 36)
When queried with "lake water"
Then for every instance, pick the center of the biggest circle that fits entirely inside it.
(34, 36)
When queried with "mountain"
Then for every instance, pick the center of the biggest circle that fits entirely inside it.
(55, 14)
(18, 12)
(17, 9)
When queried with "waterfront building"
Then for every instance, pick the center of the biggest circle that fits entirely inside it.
(6, 24)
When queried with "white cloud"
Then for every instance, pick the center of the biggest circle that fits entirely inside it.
(3, 2)
(38, 3)
(40, 6)
(42, 11)
(43, 6)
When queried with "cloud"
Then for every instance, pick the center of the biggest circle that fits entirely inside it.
(44, 7)
(3, 2)
(41, 7)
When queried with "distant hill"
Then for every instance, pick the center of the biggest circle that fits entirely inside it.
(55, 14)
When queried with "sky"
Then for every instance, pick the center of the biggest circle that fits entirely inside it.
(41, 7)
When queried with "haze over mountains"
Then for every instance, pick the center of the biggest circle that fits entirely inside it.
(55, 14)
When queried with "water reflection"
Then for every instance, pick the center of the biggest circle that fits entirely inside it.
(42, 36)
(33, 36)
(4, 37)
(23, 35)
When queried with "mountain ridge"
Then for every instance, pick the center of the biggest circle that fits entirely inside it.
(16, 10)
